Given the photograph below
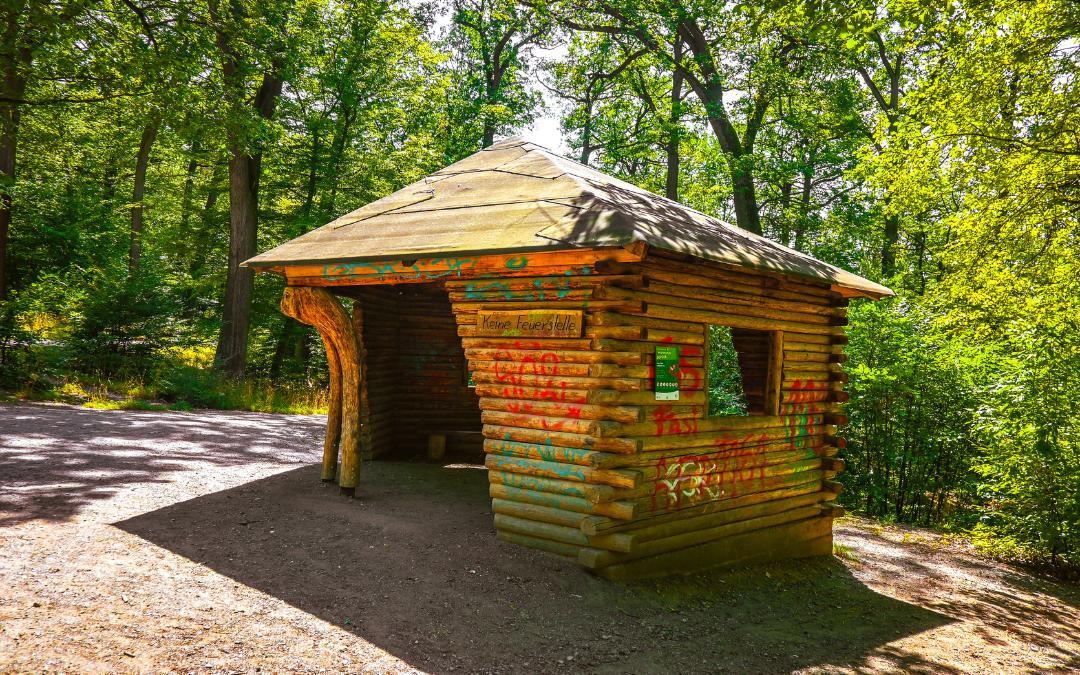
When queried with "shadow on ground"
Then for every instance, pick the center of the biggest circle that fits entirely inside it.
(413, 566)
(56, 460)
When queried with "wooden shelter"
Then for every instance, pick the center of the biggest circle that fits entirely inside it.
(561, 316)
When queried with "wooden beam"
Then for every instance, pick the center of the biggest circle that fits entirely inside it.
(321, 310)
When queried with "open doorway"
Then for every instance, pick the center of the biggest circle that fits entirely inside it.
(415, 375)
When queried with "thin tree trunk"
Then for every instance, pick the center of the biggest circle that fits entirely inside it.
(888, 246)
(189, 188)
(671, 184)
(313, 174)
(289, 328)
(141, 162)
(586, 131)
(9, 127)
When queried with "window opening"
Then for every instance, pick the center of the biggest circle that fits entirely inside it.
(727, 395)
(743, 371)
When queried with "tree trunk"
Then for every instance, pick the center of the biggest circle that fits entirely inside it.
(888, 247)
(586, 132)
(141, 162)
(9, 119)
(189, 188)
(489, 132)
(744, 195)
(244, 173)
(313, 174)
(671, 185)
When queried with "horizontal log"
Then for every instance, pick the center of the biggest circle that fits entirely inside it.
(594, 305)
(546, 282)
(741, 299)
(690, 539)
(541, 263)
(542, 451)
(735, 320)
(547, 545)
(832, 486)
(735, 436)
(834, 464)
(793, 539)
(832, 510)
(561, 471)
(545, 345)
(691, 493)
(522, 294)
(613, 319)
(540, 422)
(634, 539)
(587, 412)
(673, 260)
(540, 530)
(557, 356)
(660, 425)
(695, 397)
(569, 396)
(714, 303)
(593, 525)
(544, 514)
(610, 460)
(827, 451)
(746, 285)
(559, 381)
(721, 462)
(595, 494)
(565, 440)
(617, 332)
(618, 510)
(537, 367)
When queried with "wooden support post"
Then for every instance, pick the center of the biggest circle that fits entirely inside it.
(321, 310)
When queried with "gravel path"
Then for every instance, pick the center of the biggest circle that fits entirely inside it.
(204, 542)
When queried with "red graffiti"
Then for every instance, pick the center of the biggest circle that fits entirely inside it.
(668, 424)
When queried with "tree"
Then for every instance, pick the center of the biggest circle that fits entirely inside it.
(491, 41)
(256, 49)
(26, 26)
(733, 57)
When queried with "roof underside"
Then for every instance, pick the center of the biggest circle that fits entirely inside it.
(517, 196)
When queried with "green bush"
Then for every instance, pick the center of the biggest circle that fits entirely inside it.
(122, 326)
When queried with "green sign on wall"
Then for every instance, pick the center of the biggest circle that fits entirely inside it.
(667, 373)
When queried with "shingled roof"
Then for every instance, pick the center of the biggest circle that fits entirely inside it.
(517, 196)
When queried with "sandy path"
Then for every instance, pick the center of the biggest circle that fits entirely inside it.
(182, 542)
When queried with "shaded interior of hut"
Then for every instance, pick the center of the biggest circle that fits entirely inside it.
(416, 376)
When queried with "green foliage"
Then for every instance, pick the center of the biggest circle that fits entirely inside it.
(726, 394)
(910, 415)
(122, 326)
(1029, 434)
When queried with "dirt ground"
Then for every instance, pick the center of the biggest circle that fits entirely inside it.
(192, 542)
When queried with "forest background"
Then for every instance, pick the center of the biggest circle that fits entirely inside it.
(149, 146)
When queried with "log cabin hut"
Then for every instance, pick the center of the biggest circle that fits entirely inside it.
(563, 319)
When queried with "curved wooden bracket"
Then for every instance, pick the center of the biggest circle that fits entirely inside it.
(318, 308)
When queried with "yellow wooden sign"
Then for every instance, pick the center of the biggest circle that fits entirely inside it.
(547, 323)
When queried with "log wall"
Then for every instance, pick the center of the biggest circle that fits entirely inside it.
(584, 462)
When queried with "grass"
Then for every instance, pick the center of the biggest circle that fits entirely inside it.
(183, 381)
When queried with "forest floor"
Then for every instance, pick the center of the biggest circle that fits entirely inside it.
(167, 541)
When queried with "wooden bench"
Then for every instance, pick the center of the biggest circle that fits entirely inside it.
(436, 443)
